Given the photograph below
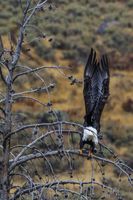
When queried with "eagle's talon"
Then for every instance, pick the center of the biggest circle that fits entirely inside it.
(81, 151)
(90, 153)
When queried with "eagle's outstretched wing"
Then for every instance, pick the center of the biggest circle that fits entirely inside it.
(96, 89)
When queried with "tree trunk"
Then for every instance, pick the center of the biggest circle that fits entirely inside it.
(6, 142)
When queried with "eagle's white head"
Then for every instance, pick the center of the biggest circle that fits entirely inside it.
(90, 134)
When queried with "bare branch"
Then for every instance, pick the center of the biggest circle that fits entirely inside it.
(44, 125)
(25, 21)
(26, 158)
(38, 69)
(31, 144)
(2, 76)
(54, 185)
(38, 90)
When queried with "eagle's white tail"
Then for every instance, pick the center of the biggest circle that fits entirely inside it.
(90, 133)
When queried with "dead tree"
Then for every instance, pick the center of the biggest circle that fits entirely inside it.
(32, 155)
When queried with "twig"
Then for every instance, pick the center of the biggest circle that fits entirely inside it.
(37, 69)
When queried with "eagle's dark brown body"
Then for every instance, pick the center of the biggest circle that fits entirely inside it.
(96, 92)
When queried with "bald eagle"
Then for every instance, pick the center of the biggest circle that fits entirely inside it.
(96, 92)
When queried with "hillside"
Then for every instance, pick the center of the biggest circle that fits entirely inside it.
(77, 26)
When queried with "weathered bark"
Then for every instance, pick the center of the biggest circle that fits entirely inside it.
(6, 144)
